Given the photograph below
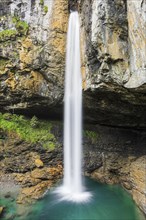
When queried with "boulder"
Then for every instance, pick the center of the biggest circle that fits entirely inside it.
(39, 163)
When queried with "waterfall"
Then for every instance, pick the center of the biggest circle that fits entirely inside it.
(72, 184)
(73, 108)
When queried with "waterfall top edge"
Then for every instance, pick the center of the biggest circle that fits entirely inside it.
(71, 12)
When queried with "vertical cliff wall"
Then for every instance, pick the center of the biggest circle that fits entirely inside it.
(114, 61)
(137, 42)
(32, 55)
(32, 58)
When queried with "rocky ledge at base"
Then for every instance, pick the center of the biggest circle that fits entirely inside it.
(33, 175)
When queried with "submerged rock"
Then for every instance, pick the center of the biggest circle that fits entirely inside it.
(8, 195)
(30, 194)
(1, 210)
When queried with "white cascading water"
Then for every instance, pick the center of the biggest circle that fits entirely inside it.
(73, 108)
(72, 185)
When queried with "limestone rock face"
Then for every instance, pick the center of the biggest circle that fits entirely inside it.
(112, 31)
(137, 176)
(106, 40)
(32, 58)
(137, 42)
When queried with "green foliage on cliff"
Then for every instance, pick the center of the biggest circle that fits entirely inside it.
(45, 9)
(22, 127)
(93, 136)
(7, 34)
(21, 26)
(11, 34)
(3, 63)
(41, 2)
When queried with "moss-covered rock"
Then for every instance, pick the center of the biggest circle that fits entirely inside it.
(91, 135)
(22, 127)
(20, 25)
(41, 2)
(8, 34)
(45, 9)
(3, 63)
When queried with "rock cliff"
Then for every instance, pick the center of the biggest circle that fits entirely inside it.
(115, 80)
(32, 58)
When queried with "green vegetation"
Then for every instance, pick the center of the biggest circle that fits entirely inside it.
(34, 122)
(3, 63)
(49, 145)
(45, 9)
(21, 26)
(7, 34)
(93, 136)
(34, 130)
(21, 29)
(41, 2)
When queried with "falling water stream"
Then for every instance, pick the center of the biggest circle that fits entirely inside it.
(72, 185)
(73, 108)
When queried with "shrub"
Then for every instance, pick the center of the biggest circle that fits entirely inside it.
(7, 34)
(21, 26)
(45, 9)
(41, 2)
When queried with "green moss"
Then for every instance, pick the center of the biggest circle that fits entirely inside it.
(21, 29)
(3, 63)
(93, 136)
(49, 145)
(41, 2)
(7, 34)
(22, 127)
(21, 26)
(15, 19)
(45, 9)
